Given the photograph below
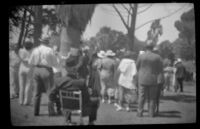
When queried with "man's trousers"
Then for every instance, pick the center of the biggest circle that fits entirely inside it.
(149, 93)
(43, 81)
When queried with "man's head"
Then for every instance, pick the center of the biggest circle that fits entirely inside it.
(149, 45)
(101, 54)
(28, 45)
(110, 53)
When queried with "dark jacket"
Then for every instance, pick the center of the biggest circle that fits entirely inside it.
(83, 69)
(150, 67)
(180, 72)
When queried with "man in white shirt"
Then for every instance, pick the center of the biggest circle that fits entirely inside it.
(127, 69)
(44, 60)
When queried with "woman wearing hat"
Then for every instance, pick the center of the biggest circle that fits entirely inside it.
(107, 74)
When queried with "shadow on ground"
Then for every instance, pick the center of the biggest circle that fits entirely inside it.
(180, 98)
(170, 114)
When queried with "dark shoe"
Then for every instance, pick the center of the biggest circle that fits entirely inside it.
(91, 123)
(51, 109)
(151, 115)
(36, 114)
(59, 112)
(139, 114)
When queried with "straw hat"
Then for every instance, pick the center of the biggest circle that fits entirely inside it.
(141, 52)
(110, 53)
(44, 40)
(101, 54)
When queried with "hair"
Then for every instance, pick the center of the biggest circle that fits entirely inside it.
(28, 45)
(130, 55)
(149, 47)
(45, 42)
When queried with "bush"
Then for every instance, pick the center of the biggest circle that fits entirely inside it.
(190, 66)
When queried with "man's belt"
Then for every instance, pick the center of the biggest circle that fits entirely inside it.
(43, 66)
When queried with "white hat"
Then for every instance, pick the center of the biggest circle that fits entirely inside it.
(110, 53)
(101, 54)
(179, 60)
(86, 48)
(141, 52)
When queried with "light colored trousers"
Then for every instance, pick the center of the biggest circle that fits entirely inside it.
(25, 89)
(106, 81)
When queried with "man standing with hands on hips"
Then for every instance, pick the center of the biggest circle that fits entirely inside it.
(43, 60)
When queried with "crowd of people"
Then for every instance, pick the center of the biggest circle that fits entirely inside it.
(105, 76)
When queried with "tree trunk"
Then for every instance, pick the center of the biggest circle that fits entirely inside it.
(22, 31)
(37, 25)
(70, 37)
(131, 30)
(26, 29)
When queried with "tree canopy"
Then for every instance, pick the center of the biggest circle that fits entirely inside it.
(186, 26)
(185, 45)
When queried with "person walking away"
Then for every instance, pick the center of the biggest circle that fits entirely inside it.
(149, 66)
(83, 69)
(107, 75)
(127, 68)
(180, 74)
(94, 87)
(43, 60)
(168, 73)
(14, 63)
(25, 91)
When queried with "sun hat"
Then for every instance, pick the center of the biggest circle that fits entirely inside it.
(44, 40)
(101, 54)
(110, 53)
(141, 52)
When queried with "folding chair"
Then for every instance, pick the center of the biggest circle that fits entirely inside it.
(71, 100)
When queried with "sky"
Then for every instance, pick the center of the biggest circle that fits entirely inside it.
(105, 15)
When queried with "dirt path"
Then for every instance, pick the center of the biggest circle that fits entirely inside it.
(174, 108)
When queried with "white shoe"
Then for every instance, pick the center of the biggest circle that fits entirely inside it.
(119, 108)
(116, 105)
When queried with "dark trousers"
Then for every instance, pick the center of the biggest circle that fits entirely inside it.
(147, 93)
(180, 84)
(43, 82)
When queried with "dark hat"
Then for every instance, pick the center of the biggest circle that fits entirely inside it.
(28, 45)
(44, 41)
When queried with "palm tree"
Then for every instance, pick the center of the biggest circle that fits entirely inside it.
(74, 19)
